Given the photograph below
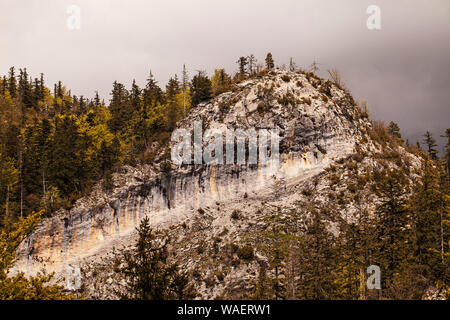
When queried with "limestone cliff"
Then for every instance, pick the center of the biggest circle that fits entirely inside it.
(319, 124)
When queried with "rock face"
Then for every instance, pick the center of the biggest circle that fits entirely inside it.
(318, 124)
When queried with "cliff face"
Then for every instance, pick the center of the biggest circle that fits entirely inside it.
(318, 124)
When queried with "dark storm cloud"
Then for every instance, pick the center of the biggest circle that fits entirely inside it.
(402, 70)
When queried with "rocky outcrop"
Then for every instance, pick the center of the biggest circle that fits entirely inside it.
(318, 124)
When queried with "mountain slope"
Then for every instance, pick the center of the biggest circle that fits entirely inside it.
(223, 219)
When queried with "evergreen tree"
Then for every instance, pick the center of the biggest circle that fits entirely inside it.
(447, 153)
(431, 146)
(394, 130)
(393, 236)
(242, 63)
(97, 99)
(172, 89)
(71, 173)
(4, 86)
(12, 83)
(427, 205)
(270, 64)
(135, 96)
(220, 81)
(108, 158)
(41, 87)
(316, 260)
(25, 89)
(120, 113)
(201, 88)
(146, 269)
(153, 95)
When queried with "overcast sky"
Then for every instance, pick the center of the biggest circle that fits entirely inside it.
(402, 70)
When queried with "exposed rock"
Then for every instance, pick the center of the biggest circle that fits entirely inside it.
(318, 124)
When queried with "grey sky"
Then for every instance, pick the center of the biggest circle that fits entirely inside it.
(402, 70)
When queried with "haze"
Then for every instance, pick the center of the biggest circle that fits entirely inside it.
(402, 70)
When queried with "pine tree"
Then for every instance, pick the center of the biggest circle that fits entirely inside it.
(220, 81)
(97, 101)
(270, 64)
(447, 153)
(12, 83)
(427, 205)
(41, 87)
(25, 89)
(70, 171)
(9, 178)
(135, 96)
(172, 89)
(153, 95)
(147, 271)
(201, 89)
(431, 146)
(242, 63)
(393, 236)
(394, 130)
(120, 112)
(3, 86)
(316, 260)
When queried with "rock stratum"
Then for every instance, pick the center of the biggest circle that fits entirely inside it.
(319, 124)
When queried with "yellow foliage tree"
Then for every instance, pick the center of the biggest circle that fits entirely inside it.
(19, 287)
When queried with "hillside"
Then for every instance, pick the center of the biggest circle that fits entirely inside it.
(347, 193)
(232, 226)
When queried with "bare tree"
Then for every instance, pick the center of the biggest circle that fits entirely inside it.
(314, 67)
(251, 64)
(336, 77)
(184, 83)
(292, 65)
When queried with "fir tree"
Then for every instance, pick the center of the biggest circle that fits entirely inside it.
(147, 271)
(394, 130)
(270, 64)
(12, 83)
(201, 89)
(242, 63)
(431, 146)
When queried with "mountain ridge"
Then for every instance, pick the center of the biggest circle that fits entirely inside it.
(320, 125)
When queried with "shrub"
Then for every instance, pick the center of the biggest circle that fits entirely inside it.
(261, 107)
(286, 78)
(201, 248)
(220, 276)
(235, 215)
(201, 211)
(352, 188)
(287, 99)
(306, 100)
(246, 253)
